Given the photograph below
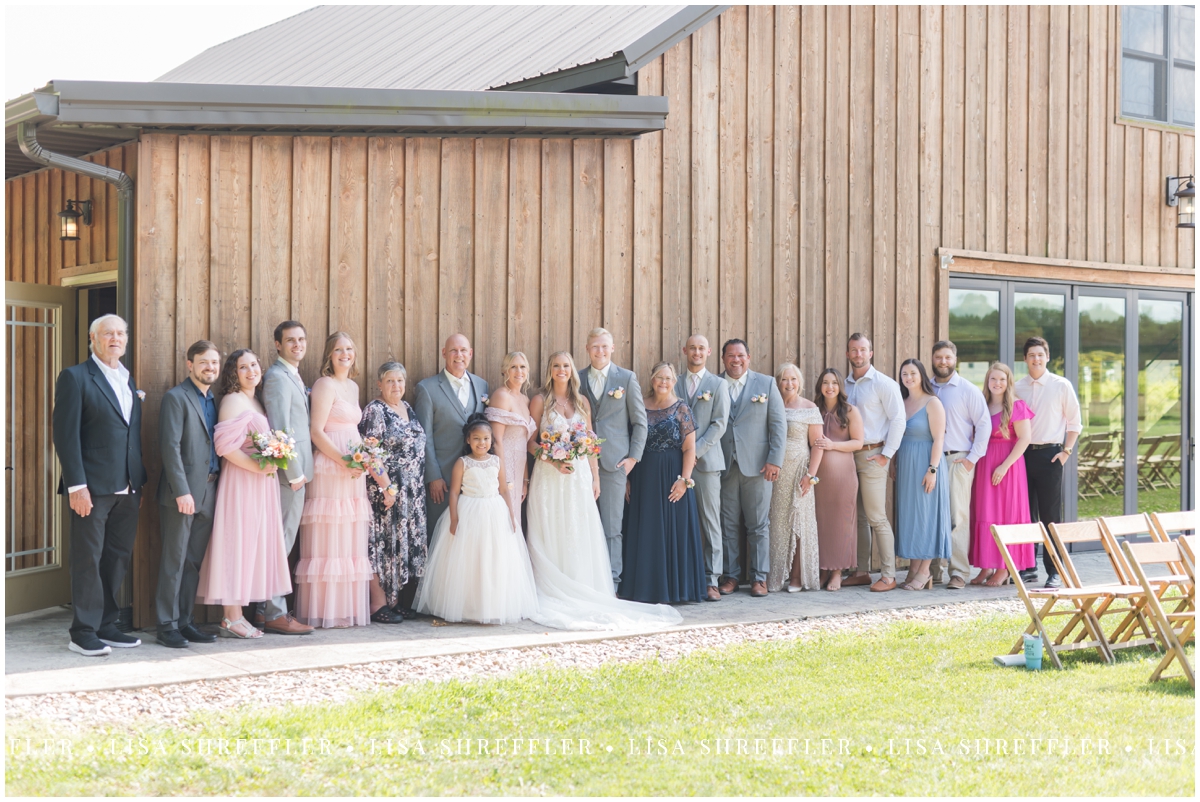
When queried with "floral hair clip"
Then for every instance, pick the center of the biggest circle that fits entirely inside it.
(618, 393)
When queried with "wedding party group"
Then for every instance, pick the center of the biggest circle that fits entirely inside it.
(582, 504)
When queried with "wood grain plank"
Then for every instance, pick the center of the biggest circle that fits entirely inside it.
(83, 192)
(676, 199)
(116, 160)
(101, 211)
(705, 198)
(310, 244)
(11, 240)
(44, 233)
(1056, 159)
(1186, 238)
(29, 231)
(648, 345)
(1114, 250)
(456, 262)
(192, 280)
(1098, 123)
(1037, 211)
(1077, 134)
(586, 254)
(1168, 217)
(996, 159)
(385, 250)
(934, 292)
(422, 212)
(1152, 202)
(231, 239)
(348, 250)
(975, 47)
(860, 297)
(810, 219)
(618, 246)
(760, 178)
(525, 252)
(270, 240)
(55, 200)
(557, 219)
(1017, 129)
(837, 169)
(491, 258)
(953, 123)
(725, 301)
(908, 156)
(1133, 194)
(884, 179)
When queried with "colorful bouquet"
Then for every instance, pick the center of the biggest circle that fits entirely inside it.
(276, 448)
(567, 445)
(366, 456)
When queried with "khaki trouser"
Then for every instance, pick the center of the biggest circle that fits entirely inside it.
(872, 514)
(962, 482)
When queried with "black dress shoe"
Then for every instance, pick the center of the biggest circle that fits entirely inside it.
(117, 639)
(405, 612)
(1029, 575)
(1052, 583)
(194, 635)
(385, 615)
(172, 639)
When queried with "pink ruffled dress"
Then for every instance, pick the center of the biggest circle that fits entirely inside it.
(246, 560)
(334, 572)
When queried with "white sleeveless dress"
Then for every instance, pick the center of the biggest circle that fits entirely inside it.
(481, 573)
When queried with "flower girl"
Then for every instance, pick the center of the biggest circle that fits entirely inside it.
(478, 568)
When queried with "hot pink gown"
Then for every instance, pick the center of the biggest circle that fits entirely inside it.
(246, 561)
(1005, 503)
(334, 572)
(515, 444)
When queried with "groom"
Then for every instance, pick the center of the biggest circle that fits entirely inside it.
(444, 402)
(619, 417)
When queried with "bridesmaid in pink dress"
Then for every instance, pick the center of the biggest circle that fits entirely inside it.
(1001, 495)
(333, 576)
(246, 561)
(508, 412)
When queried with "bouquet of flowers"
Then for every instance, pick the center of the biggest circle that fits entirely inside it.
(366, 456)
(276, 448)
(567, 445)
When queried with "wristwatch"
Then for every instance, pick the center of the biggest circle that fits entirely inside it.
(1067, 451)
(933, 469)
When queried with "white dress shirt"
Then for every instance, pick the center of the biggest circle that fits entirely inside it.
(1055, 407)
(598, 379)
(736, 386)
(462, 387)
(118, 380)
(693, 381)
(881, 406)
(968, 422)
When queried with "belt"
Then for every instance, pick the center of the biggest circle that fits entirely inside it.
(948, 453)
(1040, 446)
(869, 446)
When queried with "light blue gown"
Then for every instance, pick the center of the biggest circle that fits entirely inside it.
(922, 519)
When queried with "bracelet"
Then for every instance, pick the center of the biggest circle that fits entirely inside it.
(689, 483)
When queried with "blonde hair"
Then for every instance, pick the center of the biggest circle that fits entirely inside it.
(1006, 402)
(507, 363)
(327, 360)
(547, 391)
(799, 375)
(654, 371)
(599, 332)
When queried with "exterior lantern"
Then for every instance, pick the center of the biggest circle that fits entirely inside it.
(69, 219)
(1183, 195)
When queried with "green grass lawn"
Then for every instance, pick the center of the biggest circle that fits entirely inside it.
(915, 709)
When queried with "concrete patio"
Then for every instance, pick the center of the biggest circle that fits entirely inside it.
(37, 660)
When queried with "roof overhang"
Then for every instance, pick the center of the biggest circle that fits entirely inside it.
(71, 115)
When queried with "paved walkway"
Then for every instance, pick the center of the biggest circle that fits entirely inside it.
(37, 660)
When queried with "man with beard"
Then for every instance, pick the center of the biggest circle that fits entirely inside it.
(187, 494)
(968, 428)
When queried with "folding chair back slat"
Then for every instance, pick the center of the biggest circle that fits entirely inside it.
(1138, 556)
(1127, 525)
(1164, 523)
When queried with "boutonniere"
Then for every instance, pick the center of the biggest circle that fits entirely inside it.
(618, 393)
(758, 399)
(141, 395)
(705, 396)
(486, 399)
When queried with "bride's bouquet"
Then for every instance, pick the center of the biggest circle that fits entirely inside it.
(367, 455)
(276, 448)
(569, 444)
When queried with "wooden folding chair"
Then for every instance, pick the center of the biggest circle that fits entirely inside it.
(1138, 556)
(1163, 524)
(1116, 527)
(1081, 600)
(1125, 599)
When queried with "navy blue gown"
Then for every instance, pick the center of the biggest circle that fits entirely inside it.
(663, 560)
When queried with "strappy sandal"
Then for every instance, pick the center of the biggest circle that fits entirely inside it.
(226, 629)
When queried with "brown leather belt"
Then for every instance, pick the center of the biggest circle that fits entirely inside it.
(869, 446)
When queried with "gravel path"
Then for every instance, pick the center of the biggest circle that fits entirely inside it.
(173, 704)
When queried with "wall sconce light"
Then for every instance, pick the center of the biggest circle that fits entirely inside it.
(1184, 197)
(69, 219)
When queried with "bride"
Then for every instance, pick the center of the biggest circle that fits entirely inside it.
(565, 539)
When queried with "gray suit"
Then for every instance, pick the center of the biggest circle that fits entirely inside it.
(443, 416)
(286, 402)
(756, 436)
(186, 445)
(621, 422)
(712, 418)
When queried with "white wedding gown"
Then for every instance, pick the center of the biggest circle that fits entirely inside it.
(570, 556)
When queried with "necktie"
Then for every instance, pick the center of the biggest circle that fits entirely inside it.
(463, 395)
(693, 383)
(735, 391)
(597, 384)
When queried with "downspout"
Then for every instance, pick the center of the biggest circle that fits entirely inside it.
(27, 139)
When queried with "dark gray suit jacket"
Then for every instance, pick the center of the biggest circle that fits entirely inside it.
(95, 446)
(185, 443)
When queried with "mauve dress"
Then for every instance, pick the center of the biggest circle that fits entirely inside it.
(837, 502)
(515, 444)
(246, 561)
(334, 573)
(1005, 503)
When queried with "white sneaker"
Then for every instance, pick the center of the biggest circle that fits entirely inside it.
(89, 652)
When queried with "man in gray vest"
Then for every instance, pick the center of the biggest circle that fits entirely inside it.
(286, 400)
(619, 418)
(707, 395)
(754, 444)
(444, 402)
(187, 494)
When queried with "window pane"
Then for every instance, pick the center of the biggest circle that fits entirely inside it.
(1139, 88)
(1101, 446)
(975, 330)
(1160, 390)
(1183, 95)
(1039, 315)
(1185, 33)
(1142, 29)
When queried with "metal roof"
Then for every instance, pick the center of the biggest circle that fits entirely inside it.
(79, 117)
(547, 48)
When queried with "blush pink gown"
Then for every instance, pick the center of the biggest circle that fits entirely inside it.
(334, 573)
(1005, 503)
(246, 561)
(515, 446)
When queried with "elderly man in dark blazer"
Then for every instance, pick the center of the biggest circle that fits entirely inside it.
(187, 494)
(98, 436)
(444, 402)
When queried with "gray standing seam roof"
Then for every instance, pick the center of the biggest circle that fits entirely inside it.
(442, 47)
